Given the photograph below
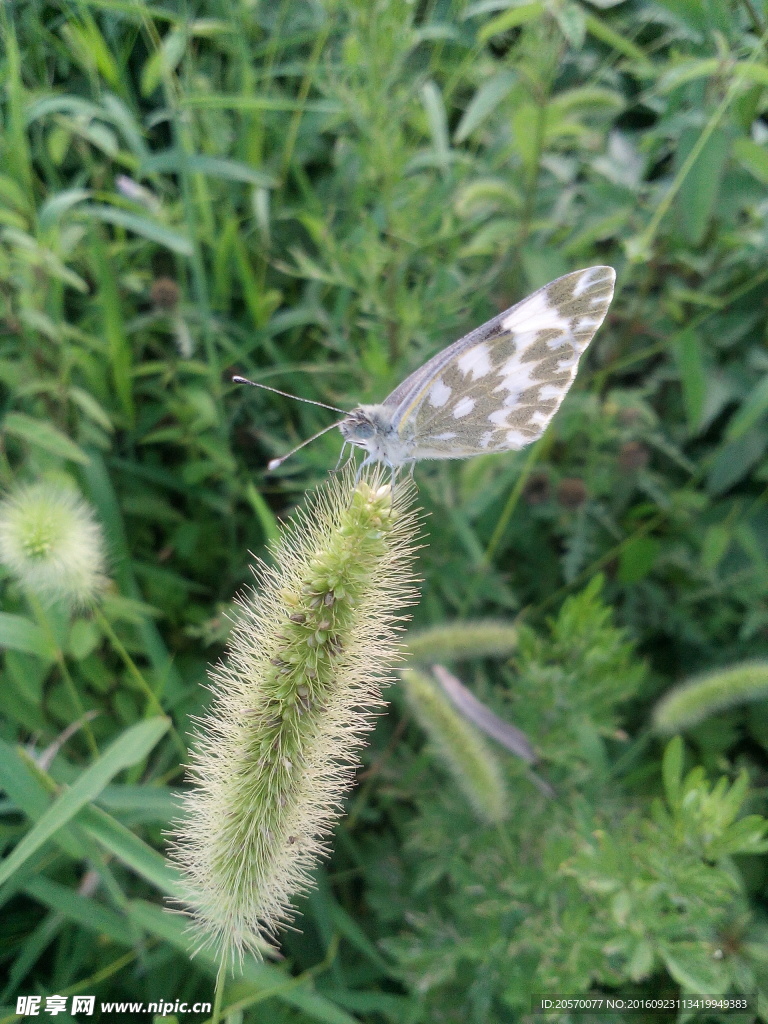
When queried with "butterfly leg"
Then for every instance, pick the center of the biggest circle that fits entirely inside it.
(366, 462)
(341, 456)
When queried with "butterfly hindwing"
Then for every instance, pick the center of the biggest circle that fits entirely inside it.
(498, 387)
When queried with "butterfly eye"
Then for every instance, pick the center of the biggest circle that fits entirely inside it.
(363, 430)
(357, 427)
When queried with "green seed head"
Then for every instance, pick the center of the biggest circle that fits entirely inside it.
(292, 703)
(51, 542)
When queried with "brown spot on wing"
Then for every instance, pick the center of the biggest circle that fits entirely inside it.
(541, 349)
(544, 370)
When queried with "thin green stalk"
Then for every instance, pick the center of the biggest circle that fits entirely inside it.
(598, 378)
(199, 280)
(218, 997)
(532, 457)
(61, 662)
(529, 198)
(136, 675)
(306, 84)
(290, 983)
(647, 237)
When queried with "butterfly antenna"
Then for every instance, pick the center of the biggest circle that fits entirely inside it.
(287, 394)
(274, 463)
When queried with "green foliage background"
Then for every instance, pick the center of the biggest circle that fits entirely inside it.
(321, 195)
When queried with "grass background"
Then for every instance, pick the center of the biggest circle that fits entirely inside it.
(321, 195)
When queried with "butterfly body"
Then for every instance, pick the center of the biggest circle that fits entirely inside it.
(372, 427)
(494, 390)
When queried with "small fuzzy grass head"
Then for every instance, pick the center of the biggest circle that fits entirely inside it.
(459, 745)
(292, 701)
(52, 544)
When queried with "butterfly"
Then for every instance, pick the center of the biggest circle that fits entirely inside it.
(494, 390)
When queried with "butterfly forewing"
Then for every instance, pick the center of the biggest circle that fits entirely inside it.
(499, 386)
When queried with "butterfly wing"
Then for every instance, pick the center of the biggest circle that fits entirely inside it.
(498, 387)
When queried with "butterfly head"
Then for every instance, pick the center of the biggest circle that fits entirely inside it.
(372, 428)
(357, 427)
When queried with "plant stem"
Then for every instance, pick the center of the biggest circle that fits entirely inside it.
(218, 997)
(137, 676)
(61, 661)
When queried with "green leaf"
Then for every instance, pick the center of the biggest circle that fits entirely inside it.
(672, 770)
(223, 101)
(571, 20)
(163, 61)
(438, 121)
(746, 836)
(693, 967)
(698, 193)
(600, 30)
(512, 18)
(525, 123)
(150, 229)
(752, 409)
(717, 540)
(637, 558)
(484, 102)
(45, 436)
(688, 354)
(688, 71)
(265, 515)
(80, 909)
(267, 981)
(54, 208)
(131, 851)
(735, 459)
(130, 748)
(22, 783)
(113, 325)
(752, 156)
(20, 634)
(176, 161)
